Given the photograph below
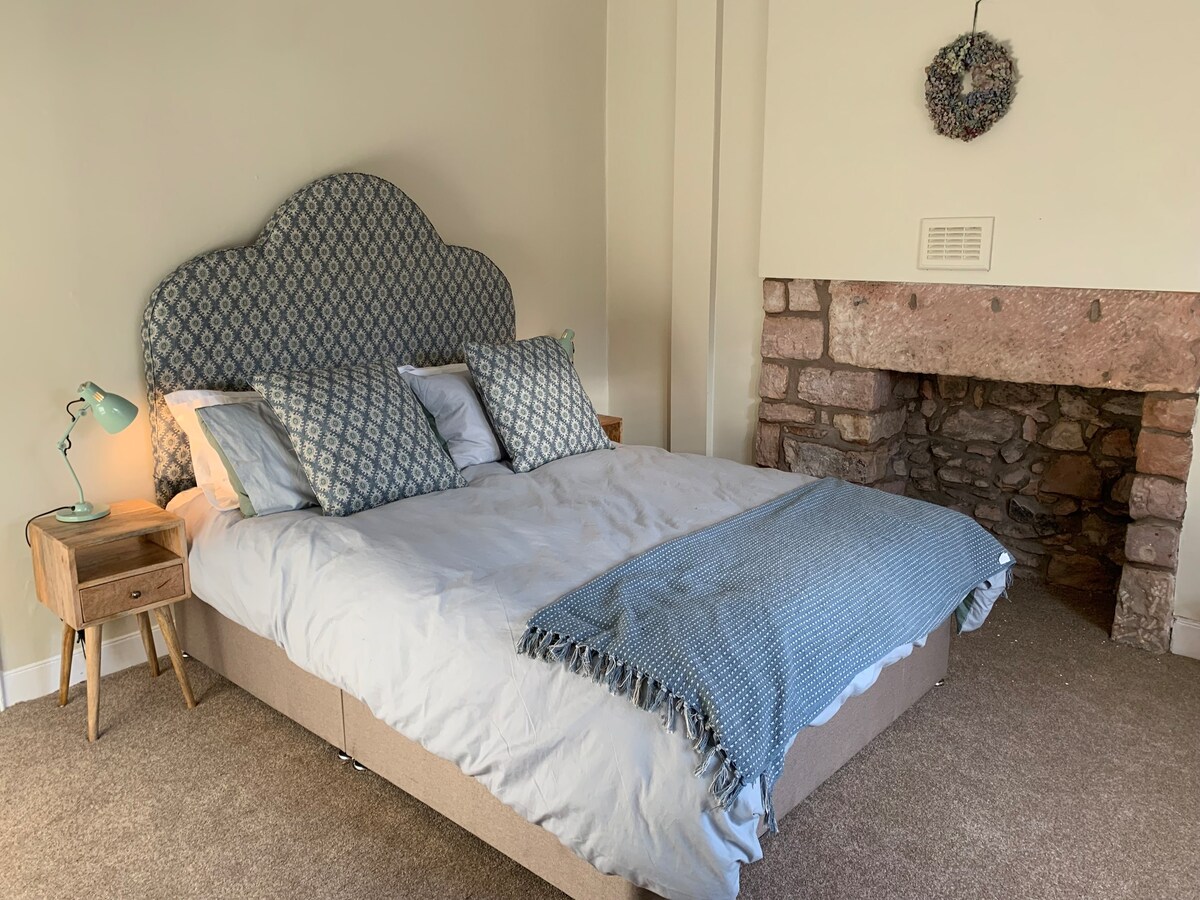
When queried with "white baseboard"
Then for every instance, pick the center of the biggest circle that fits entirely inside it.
(41, 678)
(1185, 638)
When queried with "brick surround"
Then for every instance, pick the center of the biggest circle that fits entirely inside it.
(1060, 419)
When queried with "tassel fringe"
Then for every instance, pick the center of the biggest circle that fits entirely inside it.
(645, 692)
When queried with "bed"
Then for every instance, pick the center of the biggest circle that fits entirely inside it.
(346, 625)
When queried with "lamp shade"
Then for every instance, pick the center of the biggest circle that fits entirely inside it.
(112, 411)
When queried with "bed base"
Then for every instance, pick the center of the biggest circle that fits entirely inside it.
(258, 666)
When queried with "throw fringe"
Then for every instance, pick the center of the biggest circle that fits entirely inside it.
(646, 692)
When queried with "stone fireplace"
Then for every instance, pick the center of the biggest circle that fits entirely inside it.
(1060, 419)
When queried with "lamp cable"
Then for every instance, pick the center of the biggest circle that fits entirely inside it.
(28, 542)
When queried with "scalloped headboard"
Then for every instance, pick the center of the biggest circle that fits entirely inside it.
(347, 270)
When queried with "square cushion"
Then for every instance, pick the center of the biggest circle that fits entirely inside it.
(448, 394)
(535, 400)
(262, 464)
(360, 434)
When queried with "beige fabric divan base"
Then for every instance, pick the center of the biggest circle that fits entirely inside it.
(260, 667)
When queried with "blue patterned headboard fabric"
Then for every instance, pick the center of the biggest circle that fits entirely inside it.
(347, 270)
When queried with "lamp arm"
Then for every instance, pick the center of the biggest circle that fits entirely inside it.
(62, 449)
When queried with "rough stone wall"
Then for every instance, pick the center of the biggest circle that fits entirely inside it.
(1079, 482)
(1047, 469)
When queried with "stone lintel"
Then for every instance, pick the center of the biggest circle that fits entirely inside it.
(1122, 340)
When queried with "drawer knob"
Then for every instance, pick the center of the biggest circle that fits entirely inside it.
(135, 595)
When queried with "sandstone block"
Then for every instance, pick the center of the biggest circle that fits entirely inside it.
(1164, 454)
(791, 337)
(786, 412)
(773, 381)
(848, 389)
(1074, 475)
(858, 466)
(1170, 413)
(766, 445)
(1139, 341)
(995, 425)
(867, 428)
(1154, 545)
(1157, 498)
(1145, 605)
(802, 295)
(774, 295)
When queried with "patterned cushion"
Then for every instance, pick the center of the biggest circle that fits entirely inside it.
(536, 401)
(360, 434)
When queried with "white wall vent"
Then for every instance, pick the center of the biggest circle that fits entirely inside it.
(964, 244)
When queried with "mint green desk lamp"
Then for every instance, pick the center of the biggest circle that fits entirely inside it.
(114, 413)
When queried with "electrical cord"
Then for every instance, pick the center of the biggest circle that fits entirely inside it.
(73, 418)
(29, 543)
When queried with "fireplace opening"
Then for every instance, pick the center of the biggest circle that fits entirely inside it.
(1059, 418)
(1047, 469)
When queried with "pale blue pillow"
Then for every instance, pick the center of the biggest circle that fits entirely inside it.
(360, 434)
(535, 400)
(448, 394)
(262, 464)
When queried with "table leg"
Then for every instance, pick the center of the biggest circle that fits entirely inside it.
(91, 648)
(148, 642)
(167, 626)
(68, 655)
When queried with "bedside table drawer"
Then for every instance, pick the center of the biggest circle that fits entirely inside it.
(115, 597)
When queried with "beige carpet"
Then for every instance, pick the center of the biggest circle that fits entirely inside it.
(1053, 764)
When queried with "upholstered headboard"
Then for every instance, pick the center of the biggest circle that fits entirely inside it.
(347, 270)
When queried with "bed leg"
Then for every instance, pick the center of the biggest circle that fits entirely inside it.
(358, 767)
(342, 755)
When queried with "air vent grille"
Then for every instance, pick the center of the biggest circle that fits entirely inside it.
(964, 244)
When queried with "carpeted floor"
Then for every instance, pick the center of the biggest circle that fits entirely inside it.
(1053, 764)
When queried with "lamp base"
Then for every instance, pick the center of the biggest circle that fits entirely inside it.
(83, 512)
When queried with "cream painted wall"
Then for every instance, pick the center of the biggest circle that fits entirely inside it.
(685, 108)
(1092, 176)
(640, 165)
(141, 133)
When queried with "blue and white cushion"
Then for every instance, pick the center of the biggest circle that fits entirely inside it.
(536, 401)
(360, 434)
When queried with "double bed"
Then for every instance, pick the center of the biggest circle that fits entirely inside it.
(390, 633)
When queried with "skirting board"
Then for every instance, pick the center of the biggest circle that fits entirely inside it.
(1185, 638)
(41, 678)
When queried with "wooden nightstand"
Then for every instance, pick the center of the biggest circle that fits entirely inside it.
(611, 426)
(133, 561)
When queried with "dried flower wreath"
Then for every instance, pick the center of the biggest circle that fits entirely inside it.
(989, 72)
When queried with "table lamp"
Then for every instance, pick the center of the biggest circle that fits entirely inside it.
(114, 413)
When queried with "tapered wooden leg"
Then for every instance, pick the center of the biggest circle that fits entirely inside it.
(68, 655)
(167, 627)
(148, 642)
(91, 647)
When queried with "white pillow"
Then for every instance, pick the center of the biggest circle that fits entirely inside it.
(448, 394)
(211, 476)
